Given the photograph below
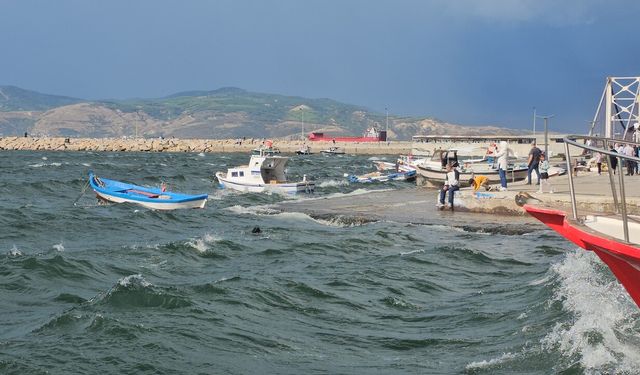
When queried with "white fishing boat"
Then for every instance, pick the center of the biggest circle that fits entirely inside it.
(332, 151)
(434, 171)
(266, 148)
(264, 173)
(304, 150)
(378, 176)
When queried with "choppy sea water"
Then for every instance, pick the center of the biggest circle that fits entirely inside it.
(90, 289)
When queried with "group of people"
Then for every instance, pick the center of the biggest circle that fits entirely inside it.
(622, 149)
(536, 163)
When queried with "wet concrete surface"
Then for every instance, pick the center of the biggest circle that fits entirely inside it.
(411, 205)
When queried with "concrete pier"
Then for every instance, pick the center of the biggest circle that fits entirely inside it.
(192, 145)
(418, 205)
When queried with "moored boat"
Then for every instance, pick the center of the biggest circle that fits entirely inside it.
(150, 197)
(434, 172)
(399, 166)
(304, 150)
(263, 173)
(333, 151)
(378, 176)
(266, 150)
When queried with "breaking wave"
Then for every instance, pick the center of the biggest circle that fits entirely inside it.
(602, 336)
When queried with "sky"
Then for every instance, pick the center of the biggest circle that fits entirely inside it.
(471, 62)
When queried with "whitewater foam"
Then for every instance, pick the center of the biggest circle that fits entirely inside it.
(603, 317)
(40, 165)
(58, 247)
(203, 244)
(492, 362)
(132, 280)
(14, 252)
(333, 183)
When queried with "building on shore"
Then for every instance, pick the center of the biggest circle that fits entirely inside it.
(477, 145)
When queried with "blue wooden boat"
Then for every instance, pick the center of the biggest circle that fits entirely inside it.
(155, 198)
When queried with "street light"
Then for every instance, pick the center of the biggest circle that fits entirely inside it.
(302, 111)
(534, 121)
(386, 111)
(546, 134)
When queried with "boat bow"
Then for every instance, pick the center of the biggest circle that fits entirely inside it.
(623, 258)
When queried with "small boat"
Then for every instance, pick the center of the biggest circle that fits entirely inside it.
(266, 150)
(333, 151)
(434, 170)
(613, 237)
(399, 166)
(264, 173)
(304, 150)
(154, 198)
(382, 177)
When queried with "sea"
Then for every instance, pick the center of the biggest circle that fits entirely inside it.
(120, 289)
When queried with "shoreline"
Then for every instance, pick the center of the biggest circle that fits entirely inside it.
(192, 145)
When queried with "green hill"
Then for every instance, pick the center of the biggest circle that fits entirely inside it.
(267, 108)
(227, 112)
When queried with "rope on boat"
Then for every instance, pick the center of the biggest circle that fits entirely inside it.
(81, 194)
(99, 204)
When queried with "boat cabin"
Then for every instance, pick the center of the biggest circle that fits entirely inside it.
(261, 169)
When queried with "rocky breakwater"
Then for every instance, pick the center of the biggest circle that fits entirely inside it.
(189, 145)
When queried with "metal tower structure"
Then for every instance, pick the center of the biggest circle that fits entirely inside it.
(621, 104)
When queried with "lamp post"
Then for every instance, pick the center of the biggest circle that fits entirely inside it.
(386, 111)
(302, 112)
(534, 121)
(546, 135)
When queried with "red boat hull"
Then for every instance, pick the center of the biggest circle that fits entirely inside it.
(622, 258)
(382, 137)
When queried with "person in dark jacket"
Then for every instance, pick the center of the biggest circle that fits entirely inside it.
(613, 161)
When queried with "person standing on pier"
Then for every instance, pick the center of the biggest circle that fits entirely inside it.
(533, 162)
(598, 161)
(544, 174)
(613, 160)
(502, 156)
(628, 151)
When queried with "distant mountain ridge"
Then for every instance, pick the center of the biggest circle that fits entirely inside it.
(13, 98)
(227, 112)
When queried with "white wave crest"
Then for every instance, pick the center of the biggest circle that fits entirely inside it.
(333, 183)
(136, 279)
(14, 252)
(58, 247)
(604, 315)
(203, 244)
(353, 193)
(253, 210)
(40, 165)
(412, 252)
(492, 362)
